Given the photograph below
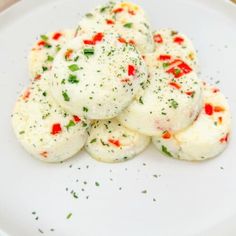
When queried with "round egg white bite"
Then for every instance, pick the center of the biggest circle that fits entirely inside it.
(42, 54)
(172, 42)
(207, 137)
(170, 100)
(100, 78)
(43, 128)
(109, 141)
(127, 19)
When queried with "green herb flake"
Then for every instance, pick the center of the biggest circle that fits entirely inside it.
(21, 132)
(88, 51)
(89, 15)
(128, 25)
(165, 64)
(97, 184)
(63, 81)
(85, 109)
(165, 151)
(73, 79)
(141, 100)
(103, 9)
(50, 58)
(93, 140)
(69, 216)
(44, 68)
(44, 37)
(144, 191)
(70, 124)
(73, 67)
(177, 71)
(174, 104)
(44, 93)
(47, 45)
(65, 95)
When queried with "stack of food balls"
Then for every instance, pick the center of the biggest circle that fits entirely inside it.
(111, 86)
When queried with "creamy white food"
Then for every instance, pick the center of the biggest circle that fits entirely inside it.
(206, 137)
(100, 78)
(170, 100)
(109, 141)
(125, 18)
(42, 54)
(43, 128)
(172, 42)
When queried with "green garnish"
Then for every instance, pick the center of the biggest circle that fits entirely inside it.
(44, 37)
(141, 100)
(144, 191)
(177, 71)
(165, 151)
(97, 184)
(22, 132)
(174, 104)
(73, 79)
(128, 25)
(93, 140)
(165, 64)
(103, 9)
(85, 109)
(50, 58)
(89, 15)
(66, 97)
(69, 216)
(44, 68)
(73, 67)
(44, 93)
(70, 124)
(47, 45)
(88, 51)
(63, 81)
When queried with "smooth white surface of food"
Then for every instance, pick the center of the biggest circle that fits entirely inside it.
(43, 128)
(100, 78)
(42, 54)
(206, 137)
(109, 141)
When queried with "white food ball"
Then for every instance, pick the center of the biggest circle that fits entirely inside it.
(206, 137)
(101, 77)
(43, 128)
(109, 141)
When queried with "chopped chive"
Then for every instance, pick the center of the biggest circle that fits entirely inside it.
(97, 184)
(89, 15)
(66, 97)
(165, 151)
(50, 58)
(144, 191)
(47, 45)
(22, 132)
(140, 100)
(88, 51)
(70, 124)
(44, 37)
(63, 81)
(165, 64)
(174, 104)
(73, 67)
(69, 216)
(44, 68)
(73, 79)
(85, 109)
(128, 25)
(93, 140)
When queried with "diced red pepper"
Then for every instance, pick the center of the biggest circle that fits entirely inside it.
(26, 94)
(224, 139)
(175, 85)
(42, 43)
(76, 119)
(185, 68)
(98, 37)
(215, 90)
(190, 93)
(218, 109)
(56, 128)
(125, 80)
(122, 40)
(208, 109)
(157, 38)
(178, 40)
(164, 57)
(89, 42)
(118, 10)
(131, 12)
(166, 135)
(68, 53)
(114, 142)
(44, 154)
(131, 70)
(110, 22)
(56, 36)
(37, 77)
(220, 119)
(132, 42)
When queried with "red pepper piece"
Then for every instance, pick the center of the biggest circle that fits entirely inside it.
(178, 40)
(37, 77)
(224, 139)
(157, 38)
(218, 109)
(110, 22)
(166, 135)
(56, 36)
(131, 12)
(114, 142)
(190, 93)
(89, 42)
(118, 10)
(98, 37)
(26, 95)
(208, 109)
(56, 128)
(131, 41)
(131, 70)
(220, 119)
(164, 57)
(125, 80)
(122, 40)
(76, 119)
(41, 43)
(68, 54)
(174, 84)
(185, 68)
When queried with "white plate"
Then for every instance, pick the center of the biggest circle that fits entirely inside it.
(191, 198)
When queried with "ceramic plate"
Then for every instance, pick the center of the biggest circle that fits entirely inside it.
(149, 195)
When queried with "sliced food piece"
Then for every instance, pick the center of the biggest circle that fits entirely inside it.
(206, 137)
(109, 141)
(43, 128)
